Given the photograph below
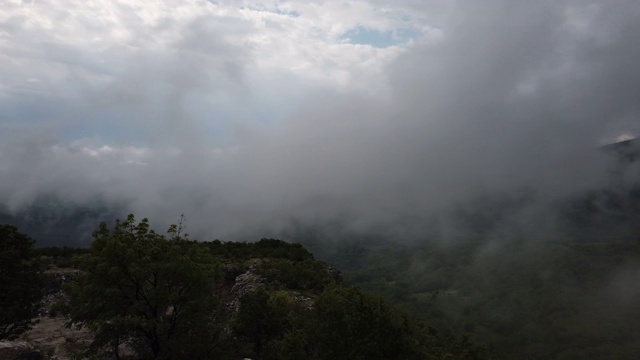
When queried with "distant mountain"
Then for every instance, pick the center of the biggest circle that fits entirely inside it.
(53, 222)
(627, 151)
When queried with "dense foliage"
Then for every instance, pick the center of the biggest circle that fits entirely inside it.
(356, 325)
(557, 301)
(526, 297)
(265, 248)
(21, 283)
(147, 296)
(57, 257)
(343, 323)
(153, 295)
(531, 277)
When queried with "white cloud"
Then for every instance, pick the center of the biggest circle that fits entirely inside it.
(93, 40)
(151, 72)
(257, 114)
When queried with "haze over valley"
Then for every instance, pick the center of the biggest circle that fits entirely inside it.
(474, 162)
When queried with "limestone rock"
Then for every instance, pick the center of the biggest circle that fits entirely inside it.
(244, 283)
(19, 350)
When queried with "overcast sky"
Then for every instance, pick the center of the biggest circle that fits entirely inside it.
(247, 115)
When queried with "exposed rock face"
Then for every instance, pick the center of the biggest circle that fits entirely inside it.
(49, 335)
(52, 337)
(49, 338)
(244, 283)
(53, 292)
(19, 350)
(334, 273)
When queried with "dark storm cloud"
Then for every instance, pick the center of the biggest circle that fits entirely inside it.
(513, 96)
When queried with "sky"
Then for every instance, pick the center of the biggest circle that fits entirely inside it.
(249, 116)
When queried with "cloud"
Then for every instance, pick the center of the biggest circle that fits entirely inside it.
(247, 117)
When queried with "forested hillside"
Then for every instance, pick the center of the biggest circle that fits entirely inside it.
(142, 295)
(408, 179)
(527, 292)
(558, 301)
(530, 278)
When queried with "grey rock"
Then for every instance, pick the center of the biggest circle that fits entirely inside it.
(19, 350)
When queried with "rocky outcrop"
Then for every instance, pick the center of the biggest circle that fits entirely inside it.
(51, 339)
(333, 273)
(19, 350)
(243, 283)
(53, 293)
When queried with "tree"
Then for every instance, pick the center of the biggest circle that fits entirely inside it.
(21, 283)
(261, 318)
(351, 324)
(156, 296)
(273, 325)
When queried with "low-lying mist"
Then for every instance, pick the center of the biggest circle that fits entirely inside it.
(507, 101)
(462, 171)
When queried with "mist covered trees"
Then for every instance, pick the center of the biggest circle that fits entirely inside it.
(153, 295)
(262, 320)
(352, 324)
(144, 295)
(21, 283)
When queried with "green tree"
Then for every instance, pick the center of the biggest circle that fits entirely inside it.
(274, 325)
(21, 283)
(261, 318)
(352, 324)
(156, 296)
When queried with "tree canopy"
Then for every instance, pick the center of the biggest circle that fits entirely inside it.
(149, 296)
(137, 289)
(21, 283)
